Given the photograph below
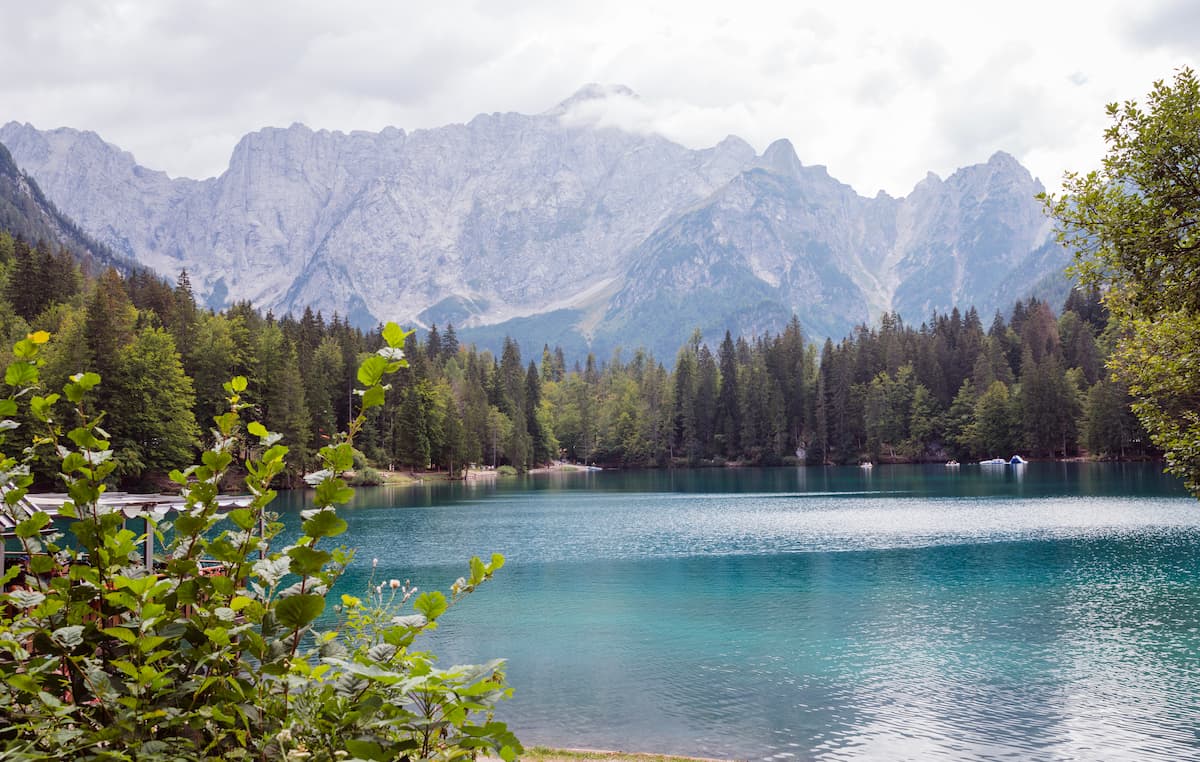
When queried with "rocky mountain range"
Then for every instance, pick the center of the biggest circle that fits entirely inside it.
(26, 212)
(554, 231)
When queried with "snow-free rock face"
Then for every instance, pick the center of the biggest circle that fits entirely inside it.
(633, 238)
(26, 212)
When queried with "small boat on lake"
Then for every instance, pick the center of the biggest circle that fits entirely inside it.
(866, 464)
(952, 463)
(1015, 460)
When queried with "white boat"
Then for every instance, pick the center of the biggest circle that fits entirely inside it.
(1017, 460)
(867, 464)
(994, 462)
(952, 464)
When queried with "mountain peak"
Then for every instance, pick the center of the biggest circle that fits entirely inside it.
(1004, 159)
(592, 91)
(556, 228)
(780, 158)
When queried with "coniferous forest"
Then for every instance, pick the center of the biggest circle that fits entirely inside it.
(952, 387)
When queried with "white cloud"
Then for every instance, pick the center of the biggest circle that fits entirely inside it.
(880, 93)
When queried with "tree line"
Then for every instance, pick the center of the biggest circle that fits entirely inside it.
(949, 388)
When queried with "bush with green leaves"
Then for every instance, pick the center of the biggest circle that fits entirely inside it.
(367, 477)
(220, 651)
(1133, 225)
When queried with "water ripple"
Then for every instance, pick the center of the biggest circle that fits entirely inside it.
(807, 625)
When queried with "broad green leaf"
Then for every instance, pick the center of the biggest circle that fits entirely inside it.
(371, 371)
(85, 440)
(226, 422)
(23, 682)
(242, 518)
(240, 602)
(394, 335)
(69, 636)
(254, 428)
(217, 461)
(306, 561)
(21, 373)
(41, 407)
(86, 380)
(299, 611)
(478, 571)
(274, 453)
(324, 524)
(340, 457)
(26, 599)
(367, 750)
(431, 604)
(332, 492)
(373, 397)
(32, 526)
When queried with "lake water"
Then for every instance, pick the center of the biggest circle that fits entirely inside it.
(1049, 611)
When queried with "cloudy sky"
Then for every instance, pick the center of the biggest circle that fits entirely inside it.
(880, 92)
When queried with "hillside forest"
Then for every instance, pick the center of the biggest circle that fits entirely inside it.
(1031, 382)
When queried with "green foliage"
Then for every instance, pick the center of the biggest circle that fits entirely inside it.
(221, 650)
(1134, 225)
(995, 431)
(367, 477)
(887, 391)
(155, 426)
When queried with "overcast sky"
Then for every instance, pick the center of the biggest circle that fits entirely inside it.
(879, 92)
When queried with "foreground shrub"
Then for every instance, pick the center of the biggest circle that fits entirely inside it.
(217, 653)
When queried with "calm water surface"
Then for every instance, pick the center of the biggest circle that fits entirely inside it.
(1044, 612)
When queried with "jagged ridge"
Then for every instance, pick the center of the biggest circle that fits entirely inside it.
(632, 238)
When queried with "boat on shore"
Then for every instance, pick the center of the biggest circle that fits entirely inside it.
(1015, 460)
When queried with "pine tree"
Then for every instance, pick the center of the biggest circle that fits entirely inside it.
(728, 410)
(279, 389)
(685, 440)
(449, 343)
(705, 402)
(433, 344)
(323, 388)
(109, 321)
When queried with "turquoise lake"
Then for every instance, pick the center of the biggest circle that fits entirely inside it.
(1048, 611)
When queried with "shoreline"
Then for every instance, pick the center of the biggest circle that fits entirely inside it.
(570, 754)
(413, 478)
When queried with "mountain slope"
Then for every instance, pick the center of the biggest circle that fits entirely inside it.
(544, 226)
(26, 212)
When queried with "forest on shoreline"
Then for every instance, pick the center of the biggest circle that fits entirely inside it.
(1033, 383)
